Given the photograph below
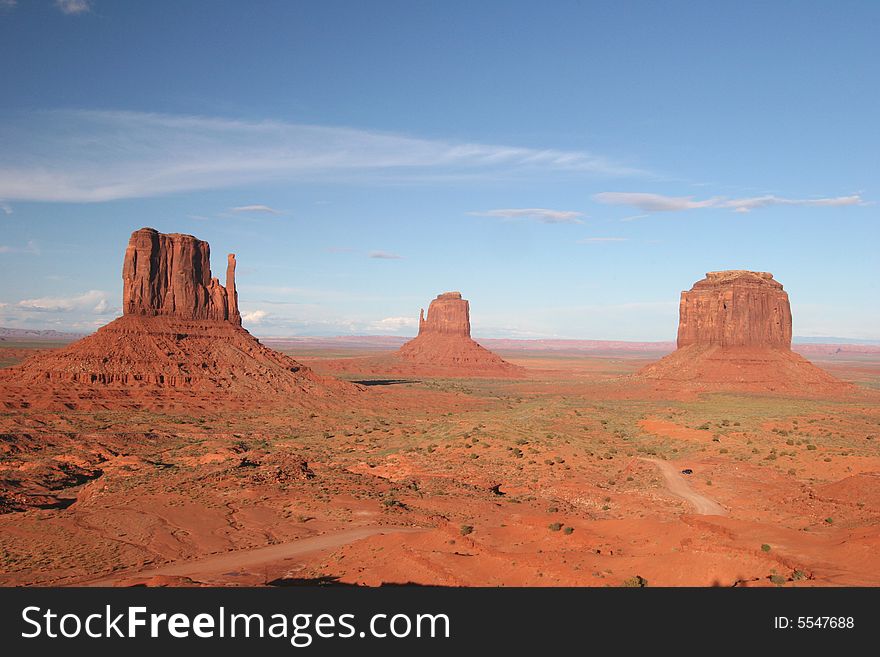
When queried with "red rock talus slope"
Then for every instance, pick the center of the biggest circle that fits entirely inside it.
(180, 339)
(734, 333)
(444, 342)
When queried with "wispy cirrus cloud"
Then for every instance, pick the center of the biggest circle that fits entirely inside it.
(543, 215)
(385, 255)
(71, 7)
(6, 209)
(756, 202)
(264, 209)
(31, 248)
(94, 156)
(661, 203)
(654, 202)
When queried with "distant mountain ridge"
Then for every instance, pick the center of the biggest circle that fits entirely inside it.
(34, 334)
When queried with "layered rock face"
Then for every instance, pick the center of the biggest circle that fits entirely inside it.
(735, 309)
(448, 314)
(734, 333)
(444, 343)
(178, 343)
(170, 275)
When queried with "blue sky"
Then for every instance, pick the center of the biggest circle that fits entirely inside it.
(570, 167)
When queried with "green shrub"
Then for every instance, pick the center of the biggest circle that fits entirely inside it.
(554, 526)
(466, 529)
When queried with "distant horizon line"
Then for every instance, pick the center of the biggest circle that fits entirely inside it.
(797, 339)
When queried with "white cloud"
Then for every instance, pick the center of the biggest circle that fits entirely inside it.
(756, 202)
(254, 317)
(654, 202)
(73, 6)
(385, 255)
(661, 203)
(394, 323)
(6, 209)
(94, 301)
(593, 240)
(31, 248)
(538, 214)
(8, 4)
(93, 156)
(256, 208)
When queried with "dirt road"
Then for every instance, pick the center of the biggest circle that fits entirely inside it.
(231, 561)
(677, 485)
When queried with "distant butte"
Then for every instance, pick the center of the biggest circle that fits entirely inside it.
(734, 333)
(444, 341)
(179, 342)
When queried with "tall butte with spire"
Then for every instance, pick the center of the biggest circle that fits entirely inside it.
(170, 275)
(180, 336)
(444, 342)
(734, 333)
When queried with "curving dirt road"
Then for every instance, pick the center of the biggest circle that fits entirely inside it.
(677, 485)
(236, 560)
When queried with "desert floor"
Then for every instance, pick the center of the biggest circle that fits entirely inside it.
(570, 476)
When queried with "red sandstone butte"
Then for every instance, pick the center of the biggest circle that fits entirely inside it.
(170, 275)
(735, 309)
(448, 314)
(444, 341)
(734, 333)
(179, 341)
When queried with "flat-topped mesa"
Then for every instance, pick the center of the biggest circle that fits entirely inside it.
(734, 334)
(170, 275)
(448, 314)
(735, 308)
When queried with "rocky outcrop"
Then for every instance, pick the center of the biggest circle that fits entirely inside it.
(448, 314)
(170, 275)
(179, 343)
(444, 345)
(734, 333)
(735, 309)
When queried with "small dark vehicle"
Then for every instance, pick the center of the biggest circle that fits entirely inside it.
(687, 471)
